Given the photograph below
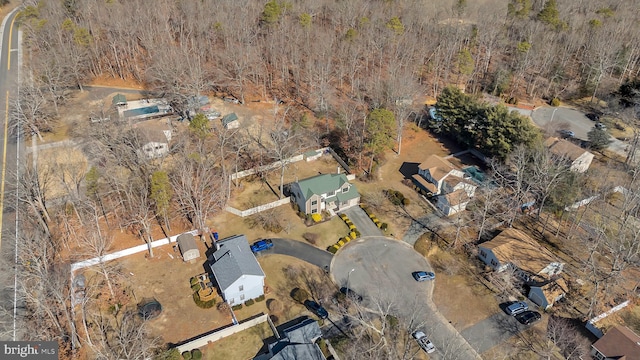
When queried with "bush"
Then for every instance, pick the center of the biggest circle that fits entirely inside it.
(384, 227)
(333, 249)
(340, 243)
(357, 233)
(236, 307)
(196, 287)
(396, 197)
(405, 202)
(249, 302)
(299, 295)
(196, 354)
(555, 102)
(316, 218)
(344, 217)
(274, 319)
(194, 280)
(223, 307)
(310, 237)
(259, 298)
(203, 304)
(186, 355)
(353, 235)
(352, 227)
(274, 305)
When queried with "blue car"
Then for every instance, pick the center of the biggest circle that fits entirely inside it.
(317, 309)
(423, 275)
(261, 245)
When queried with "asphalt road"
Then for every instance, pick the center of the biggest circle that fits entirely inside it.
(9, 64)
(300, 250)
(380, 269)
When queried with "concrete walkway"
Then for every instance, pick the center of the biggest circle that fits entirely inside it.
(363, 223)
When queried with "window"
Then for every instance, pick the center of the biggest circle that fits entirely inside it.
(331, 193)
(483, 253)
(241, 288)
(494, 263)
(231, 302)
(314, 202)
(598, 355)
(241, 297)
(313, 211)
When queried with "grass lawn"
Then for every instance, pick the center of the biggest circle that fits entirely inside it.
(243, 345)
(458, 295)
(167, 280)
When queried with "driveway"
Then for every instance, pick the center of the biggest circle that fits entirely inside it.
(553, 119)
(492, 331)
(428, 223)
(300, 250)
(380, 269)
(361, 220)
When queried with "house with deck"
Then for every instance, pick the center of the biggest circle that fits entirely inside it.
(236, 271)
(513, 250)
(452, 188)
(577, 158)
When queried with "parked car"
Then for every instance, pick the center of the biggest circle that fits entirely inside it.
(261, 245)
(424, 342)
(517, 307)
(317, 309)
(593, 116)
(565, 134)
(528, 317)
(351, 294)
(601, 126)
(231, 100)
(423, 275)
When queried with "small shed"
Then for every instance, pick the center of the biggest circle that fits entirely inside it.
(188, 247)
(230, 121)
(119, 100)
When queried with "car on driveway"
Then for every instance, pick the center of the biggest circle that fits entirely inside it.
(261, 245)
(593, 116)
(517, 307)
(565, 134)
(424, 342)
(317, 309)
(528, 317)
(423, 275)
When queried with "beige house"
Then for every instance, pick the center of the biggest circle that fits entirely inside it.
(331, 192)
(536, 266)
(452, 187)
(579, 158)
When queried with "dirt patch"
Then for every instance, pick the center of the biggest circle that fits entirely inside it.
(251, 341)
(62, 169)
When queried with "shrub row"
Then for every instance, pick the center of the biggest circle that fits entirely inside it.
(249, 302)
(353, 234)
(382, 226)
(194, 354)
(396, 197)
(236, 307)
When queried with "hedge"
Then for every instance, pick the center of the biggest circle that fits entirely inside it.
(196, 354)
(353, 234)
(249, 302)
(203, 304)
(344, 217)
(236, 307)
(259, 298)
(316, 217)
(332, 249)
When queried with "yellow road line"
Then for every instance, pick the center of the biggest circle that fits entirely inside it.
(4, 160)
(9, 52)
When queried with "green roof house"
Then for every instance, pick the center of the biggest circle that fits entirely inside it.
(119, 100)
(230, 121)
(331, 192)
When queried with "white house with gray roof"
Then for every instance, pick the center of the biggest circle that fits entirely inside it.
(324, 192)
(236, 270)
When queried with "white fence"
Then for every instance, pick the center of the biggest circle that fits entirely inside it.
(277, 164)
(590, 325)
(126, 252)
(217, 335)
(257, 209)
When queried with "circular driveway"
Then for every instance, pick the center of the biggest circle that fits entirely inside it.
(380, 269)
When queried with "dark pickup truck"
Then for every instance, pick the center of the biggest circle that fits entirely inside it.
(261, 245)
